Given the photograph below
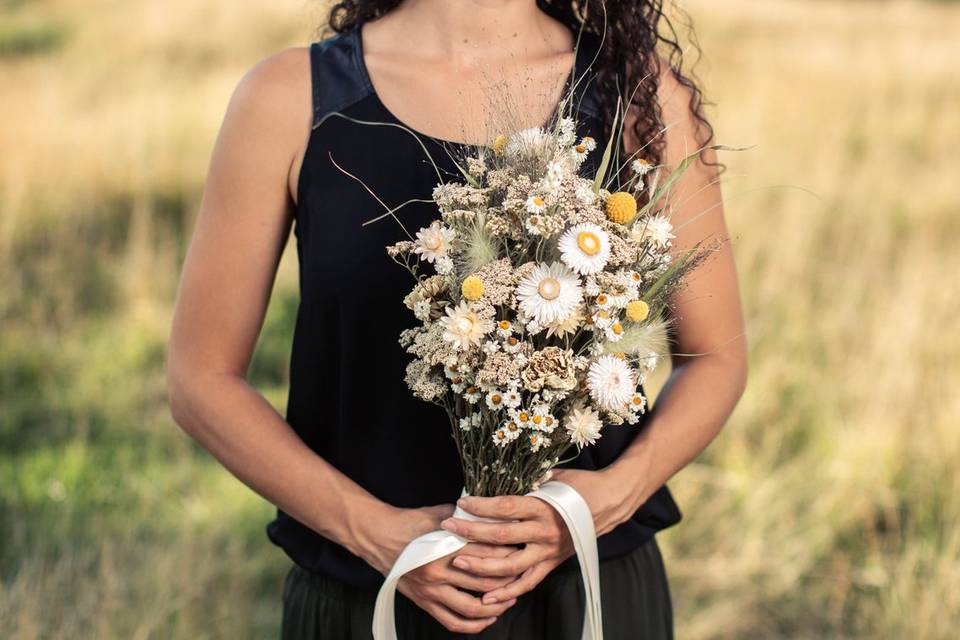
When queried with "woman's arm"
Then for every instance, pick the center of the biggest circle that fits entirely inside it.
(691, 409)
(242, 227)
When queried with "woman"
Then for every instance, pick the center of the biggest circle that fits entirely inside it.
(358, 467)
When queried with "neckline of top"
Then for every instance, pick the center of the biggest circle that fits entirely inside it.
(580, 65)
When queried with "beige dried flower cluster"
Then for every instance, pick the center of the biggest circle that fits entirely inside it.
(545, 308)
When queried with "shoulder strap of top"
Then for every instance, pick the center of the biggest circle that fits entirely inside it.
(337, 74)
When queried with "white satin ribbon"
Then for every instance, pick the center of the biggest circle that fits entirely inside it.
(437, 544)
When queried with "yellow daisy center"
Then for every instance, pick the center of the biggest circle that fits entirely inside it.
(538, 201)
(580, 148)
(638, 400)
(537, 419)
(524, 416)
(504, 324)
(512, 341)
(617, 328)
(549, 421)
(588, 242)
(602, 298)
(496, 399)
(549, 289)
(512, 426)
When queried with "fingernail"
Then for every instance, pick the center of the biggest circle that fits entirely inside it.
(462, 502)
(449, 525)
(489, 600)
(460, 563)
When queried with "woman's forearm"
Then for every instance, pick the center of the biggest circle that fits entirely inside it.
(244, 432)
(690, 411)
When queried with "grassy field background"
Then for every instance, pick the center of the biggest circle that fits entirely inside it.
(830, 505)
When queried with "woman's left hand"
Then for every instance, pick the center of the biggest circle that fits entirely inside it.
(536, 526)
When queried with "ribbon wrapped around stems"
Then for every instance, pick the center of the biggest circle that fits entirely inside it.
(434, 545)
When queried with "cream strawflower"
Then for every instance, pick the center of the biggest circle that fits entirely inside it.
(611, 382)
(549, 293)
(462, 327)
(585, 248)
(433, 241)
(657, 229)
(583, 424)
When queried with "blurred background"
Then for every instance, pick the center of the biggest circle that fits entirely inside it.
(828, 507)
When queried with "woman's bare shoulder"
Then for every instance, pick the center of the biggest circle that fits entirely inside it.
(273, 98)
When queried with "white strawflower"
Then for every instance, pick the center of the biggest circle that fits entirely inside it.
(462, 327)
(535, 204)
(433, 241)
(611, 383)
(549, 293)
(641, 167)
(585, 248)
(584, 425)
(657, 229)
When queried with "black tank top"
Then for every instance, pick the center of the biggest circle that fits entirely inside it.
(348, 400)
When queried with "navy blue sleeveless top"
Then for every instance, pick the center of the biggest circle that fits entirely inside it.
(348, 400)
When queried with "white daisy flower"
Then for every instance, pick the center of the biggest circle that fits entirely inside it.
(585, 248)
(614, 332)
(650, 361)
(641, 167)
(433, 241)
(538, 441)
(500, 438)
(588, 143)
(462, 327)
(504, 328)
(656, 229)
(602, 319)
(472, 395)
(583, 425)
(549, 293)
(512, 399)
(590, 286)
(638, 403)
(495, 399)
(466, 423)
(511, 429)
(611, 382)
(543, 420)
(512, 345)
(535, 204)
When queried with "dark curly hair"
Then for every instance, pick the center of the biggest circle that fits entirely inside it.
(640, 38)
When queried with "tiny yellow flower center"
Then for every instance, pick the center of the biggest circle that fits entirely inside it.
(617, 328)
(524, 416)
(602, 298)
(549, 421)
(512, 341)
(496, 399)
(538, 201)
(512, 426)
(537, 419)
(580, 148)
(504, 324)
(588, 242)
(501, 435)
(533, 438)
(549, 289)
(603, 314)
(637, 400)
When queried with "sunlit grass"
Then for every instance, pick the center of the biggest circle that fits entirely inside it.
(827, 508)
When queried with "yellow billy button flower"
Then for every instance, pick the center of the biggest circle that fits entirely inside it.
(621, 207)
(499, 144)
(472, 288)
(637, 310)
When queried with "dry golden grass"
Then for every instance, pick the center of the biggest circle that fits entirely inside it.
(827, 508)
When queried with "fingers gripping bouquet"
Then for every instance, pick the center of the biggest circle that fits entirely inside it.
(542, 296)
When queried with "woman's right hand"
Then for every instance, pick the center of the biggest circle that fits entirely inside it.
(450, 595)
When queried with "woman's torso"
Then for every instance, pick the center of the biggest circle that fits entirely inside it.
(348, 400)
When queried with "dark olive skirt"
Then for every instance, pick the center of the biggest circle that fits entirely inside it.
(634, 590)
